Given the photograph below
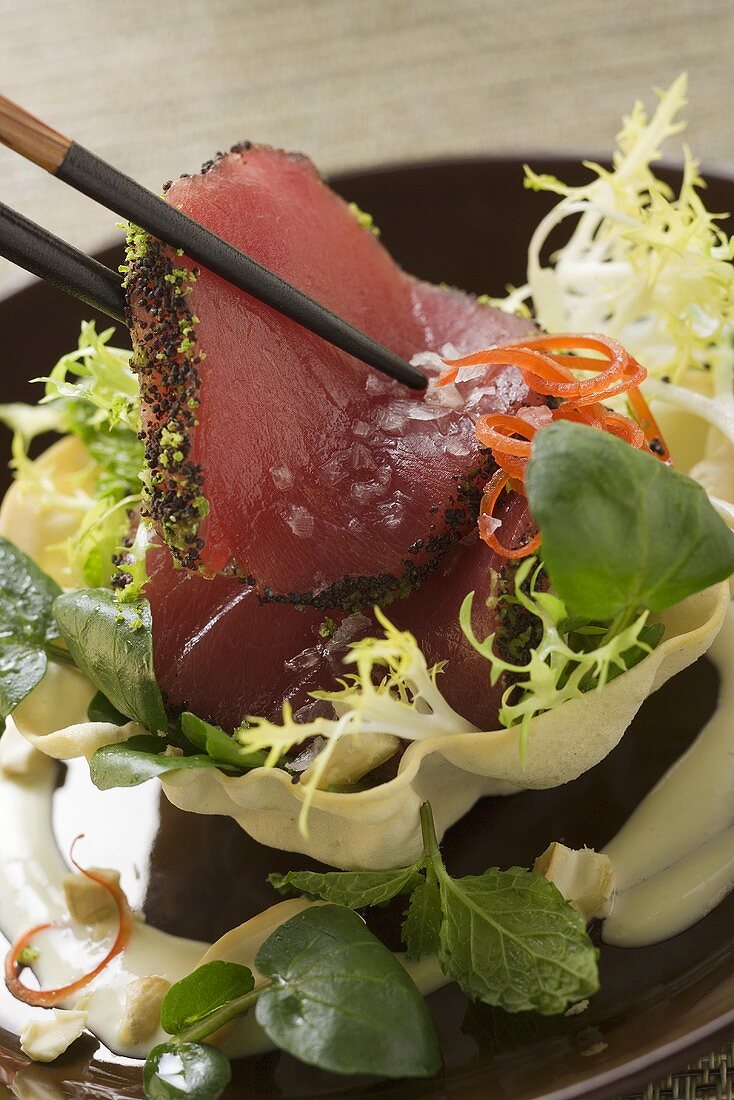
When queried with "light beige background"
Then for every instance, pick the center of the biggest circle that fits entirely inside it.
(156, 86)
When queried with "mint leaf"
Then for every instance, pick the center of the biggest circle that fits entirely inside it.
(422, 923)
(199, 994)
(194, 1071)
(218, 744)
(340, 1000)
(621, 530)
(510, 938)
(129, 763)
(27, 625)
(112, 643)
(355, 889)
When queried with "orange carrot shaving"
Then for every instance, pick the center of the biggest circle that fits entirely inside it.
(548, 367)
(47, 998)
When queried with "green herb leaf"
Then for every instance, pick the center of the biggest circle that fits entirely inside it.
(621, 530)
(129, 763)
(340, 1000)
(355, 889)
(510, 938)
(202, 992)
(112, 643)
(27, 625)
(194, 1071)
(101, 710)
(218, 744)
(422, 923)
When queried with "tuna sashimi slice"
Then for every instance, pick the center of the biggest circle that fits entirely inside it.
(271, 453)
(223, 654)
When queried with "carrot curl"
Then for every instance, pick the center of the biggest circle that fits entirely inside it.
(548, 365)
(48, 998)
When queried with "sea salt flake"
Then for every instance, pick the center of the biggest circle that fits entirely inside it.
(416, 411)
(282, 477)
(488, 525)
(459, 448)
(391, 513)
(365, 491)
(538, 415)
(391, 421)
(307, 658)
(362, 457)
(300, 521)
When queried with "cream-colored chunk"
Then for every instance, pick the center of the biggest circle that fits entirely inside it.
(142, 1012)
(45, 1039)
(354, 757)
(88, 901)
(584, 877)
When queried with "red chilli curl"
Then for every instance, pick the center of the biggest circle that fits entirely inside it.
(548, 369)
(48, 998)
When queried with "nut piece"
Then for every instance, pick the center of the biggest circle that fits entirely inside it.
(142, 1014)
(584, 877)
(353, 757)
(88, 902)
(45, 1039)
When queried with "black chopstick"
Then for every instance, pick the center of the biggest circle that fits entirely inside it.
(87, 173)
(37, 250)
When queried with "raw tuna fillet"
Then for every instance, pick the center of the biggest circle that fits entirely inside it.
(272, 454)
(223, 654)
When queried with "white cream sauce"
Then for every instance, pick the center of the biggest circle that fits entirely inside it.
(673, 859)
(31, 873)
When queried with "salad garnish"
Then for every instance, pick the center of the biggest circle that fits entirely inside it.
(644, 265)
(92, 394)
(488, 930)
(330, 993)
(18, 955)
(335, 997)
(547, 364)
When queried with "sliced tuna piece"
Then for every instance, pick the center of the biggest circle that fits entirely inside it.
(271, 453)
(224, 655)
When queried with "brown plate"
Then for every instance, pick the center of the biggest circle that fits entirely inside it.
(466, 223)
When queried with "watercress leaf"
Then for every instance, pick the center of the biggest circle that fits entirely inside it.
(510, 938)
(21, 668)
(621, 530)
(129, 763)
(26, 625)
(218, 744)
(422, 924)
(27, 596)
(100, 709)
(355, 889)
(340, 1000)
(200, 993)
(112, 643)
(194, 1071)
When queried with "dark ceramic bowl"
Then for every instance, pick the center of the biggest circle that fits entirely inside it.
(466, 223)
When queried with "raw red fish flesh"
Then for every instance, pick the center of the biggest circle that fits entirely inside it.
(224, 655)
(276, 456)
